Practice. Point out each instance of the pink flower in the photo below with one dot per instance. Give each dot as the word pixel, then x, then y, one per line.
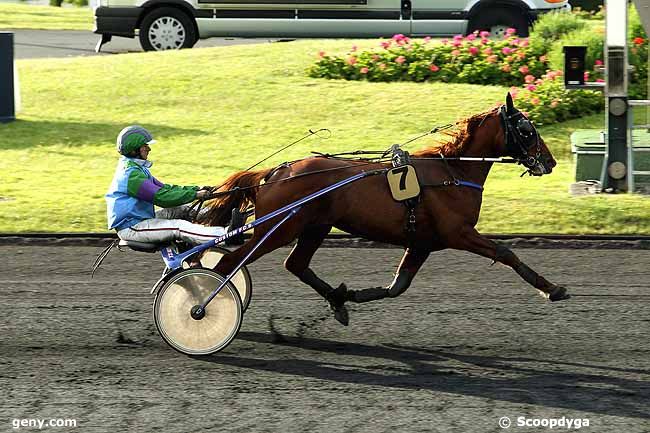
pixel 514 92
pixel 471 37
pixel 487 51
pixel 434 68
pixel 539 81
pixel 354 48
pixel 363 70
pixel 521 55
pixel 484 41
pixel 510 31
pixel 554 103
pixel 598 63
pixel 600 80
pixel 484 34
pixel 427 39
pixel 534 101
pixel 457 43
pixel 398 37
pixel 444 41
pixel 514 41
pixel 455 53
pixel 491 59
pixel 506 68
pixel 321 54
pixel 531 87
pixel 400 60
pixel 524 43
pixel 551 75
pixel 529 78
pixel 352 60
pixel 524 69
pixel 543 59
pixel 586 75
pixel 375 57
pixel 506 50
pixel 385 45
pixel 458 37
pixel 382 66
pixel 473 50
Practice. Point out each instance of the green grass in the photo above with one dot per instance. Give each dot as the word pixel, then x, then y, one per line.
pixel 18 16
pixel 218 110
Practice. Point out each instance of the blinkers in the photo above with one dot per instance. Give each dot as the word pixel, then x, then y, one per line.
pixel 519 135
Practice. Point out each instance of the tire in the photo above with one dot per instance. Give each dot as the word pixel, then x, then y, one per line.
pixel 241 280
pixel 167 28
pixel 496 21
pixel 174 302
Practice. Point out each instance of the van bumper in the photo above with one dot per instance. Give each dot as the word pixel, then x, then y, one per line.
pixel 117 21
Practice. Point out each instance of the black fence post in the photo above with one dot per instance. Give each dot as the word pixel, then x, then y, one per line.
pixel 7 101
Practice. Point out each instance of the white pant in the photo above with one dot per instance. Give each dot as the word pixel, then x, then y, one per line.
pixel 159 230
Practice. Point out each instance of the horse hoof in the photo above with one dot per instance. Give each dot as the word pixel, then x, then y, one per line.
pixel 338 296
pixel 558 294
pixel 341 315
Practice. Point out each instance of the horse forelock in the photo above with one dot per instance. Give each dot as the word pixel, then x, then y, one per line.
pixel 458 138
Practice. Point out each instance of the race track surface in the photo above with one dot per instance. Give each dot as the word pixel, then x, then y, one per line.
pixel 467 344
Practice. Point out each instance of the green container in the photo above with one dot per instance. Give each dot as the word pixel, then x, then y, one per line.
pixel 588 147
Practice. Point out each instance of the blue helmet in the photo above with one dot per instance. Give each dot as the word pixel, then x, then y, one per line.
pixel 132 138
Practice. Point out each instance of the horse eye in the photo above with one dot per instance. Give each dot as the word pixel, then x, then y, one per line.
pixel 525 127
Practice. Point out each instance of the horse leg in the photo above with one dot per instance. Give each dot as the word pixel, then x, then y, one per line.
pixel 473 241
pixel 298 264
pixel 408 267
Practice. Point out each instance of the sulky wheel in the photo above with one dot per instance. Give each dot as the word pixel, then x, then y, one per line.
pixel 241 280
pixel 211 333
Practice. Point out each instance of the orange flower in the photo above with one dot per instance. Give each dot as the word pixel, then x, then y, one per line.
pixel 638 40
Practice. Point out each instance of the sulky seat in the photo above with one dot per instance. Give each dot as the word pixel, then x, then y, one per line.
pixel 144 247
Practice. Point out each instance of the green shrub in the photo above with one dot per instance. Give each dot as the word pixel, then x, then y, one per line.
pixel 592 38
pixel 552 26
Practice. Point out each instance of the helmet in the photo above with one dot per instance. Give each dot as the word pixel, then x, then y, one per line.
pixel 132 138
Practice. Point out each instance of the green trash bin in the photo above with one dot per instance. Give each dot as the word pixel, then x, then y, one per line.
pixel 588 147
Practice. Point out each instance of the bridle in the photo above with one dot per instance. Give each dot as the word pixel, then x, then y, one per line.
pixel 520 135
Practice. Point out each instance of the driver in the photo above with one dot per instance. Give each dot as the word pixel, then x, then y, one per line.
pixel 134 192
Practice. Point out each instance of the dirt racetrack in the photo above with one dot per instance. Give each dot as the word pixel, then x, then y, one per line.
pixel 466 345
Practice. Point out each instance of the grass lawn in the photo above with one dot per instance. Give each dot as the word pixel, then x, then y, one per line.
pixel 18 16
pixel 218 110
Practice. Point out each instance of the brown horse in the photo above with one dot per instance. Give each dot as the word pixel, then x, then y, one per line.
pixel 445 216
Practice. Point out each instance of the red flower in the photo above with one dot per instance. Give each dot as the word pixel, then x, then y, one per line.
pixel 639 40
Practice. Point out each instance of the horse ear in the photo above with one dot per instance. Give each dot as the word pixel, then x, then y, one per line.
pixel 509 104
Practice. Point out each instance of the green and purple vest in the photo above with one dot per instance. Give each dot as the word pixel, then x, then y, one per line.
pixel 134 192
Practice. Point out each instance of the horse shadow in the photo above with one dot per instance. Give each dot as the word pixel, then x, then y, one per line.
pixel 542 382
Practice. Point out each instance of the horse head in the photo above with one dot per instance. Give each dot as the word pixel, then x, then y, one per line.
pixel 521 140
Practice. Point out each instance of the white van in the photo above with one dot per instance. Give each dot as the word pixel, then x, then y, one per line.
pixel 175 24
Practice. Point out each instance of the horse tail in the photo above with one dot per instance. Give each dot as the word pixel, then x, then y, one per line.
pixel 220 209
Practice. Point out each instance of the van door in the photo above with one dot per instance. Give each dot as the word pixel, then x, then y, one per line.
pixel 439 17
pixel 306 18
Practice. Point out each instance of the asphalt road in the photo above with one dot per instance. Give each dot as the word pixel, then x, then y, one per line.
pixel 29 44
pixel 469 343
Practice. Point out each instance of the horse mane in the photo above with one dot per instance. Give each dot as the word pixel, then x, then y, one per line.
pixel 458 139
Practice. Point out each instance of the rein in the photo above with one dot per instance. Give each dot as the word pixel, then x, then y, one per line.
pixel 383 158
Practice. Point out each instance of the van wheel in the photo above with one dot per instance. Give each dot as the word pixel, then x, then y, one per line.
pixel 497 21
pixel 166 29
